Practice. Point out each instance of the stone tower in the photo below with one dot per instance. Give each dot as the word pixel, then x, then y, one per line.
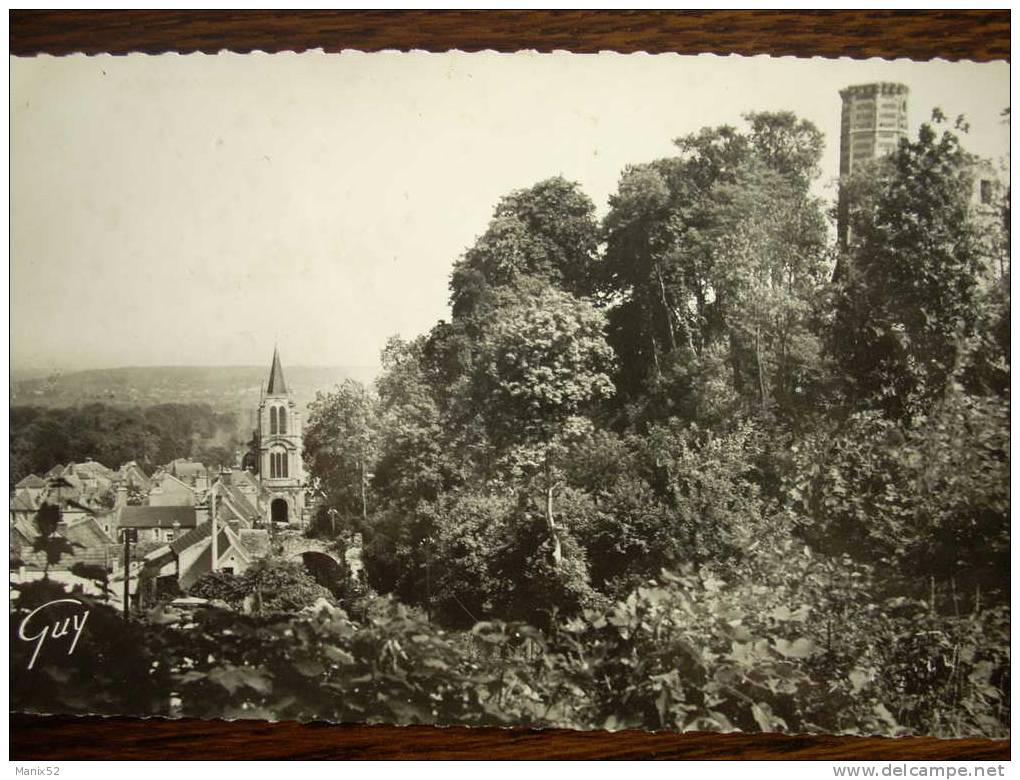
pixel 873 121
pixel 280 470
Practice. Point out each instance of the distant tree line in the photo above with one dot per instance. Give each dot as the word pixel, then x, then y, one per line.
pixel 152 435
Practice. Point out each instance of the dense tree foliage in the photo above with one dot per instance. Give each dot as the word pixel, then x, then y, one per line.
pixel 339 446
pixel 702 466
pixel 906 302
pixel 715 260
pixel 547 232
pixel 813 430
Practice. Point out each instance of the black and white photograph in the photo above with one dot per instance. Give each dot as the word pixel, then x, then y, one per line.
pixel 575 391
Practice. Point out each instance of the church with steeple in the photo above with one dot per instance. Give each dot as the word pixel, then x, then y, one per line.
pixel 275 454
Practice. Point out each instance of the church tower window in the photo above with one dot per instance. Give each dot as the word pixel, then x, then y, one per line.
pixel 272 420
pixel 278 465
pixel 282 419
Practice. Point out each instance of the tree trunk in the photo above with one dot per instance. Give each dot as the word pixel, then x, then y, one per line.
pixel 557 553
pixel 364 496
pixel 761 366
pixel 655 351
pixel 738 379
pixel 666 309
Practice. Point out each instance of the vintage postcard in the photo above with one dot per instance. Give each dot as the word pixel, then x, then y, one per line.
pixel 583 391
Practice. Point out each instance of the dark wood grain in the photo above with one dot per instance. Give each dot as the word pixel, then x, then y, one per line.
pixel 979 35
pixel 954 35
pixel 90 738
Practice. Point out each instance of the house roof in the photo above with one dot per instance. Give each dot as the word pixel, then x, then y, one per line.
pixel 163 476
pixel 25 526
pixel 226 511
pixel 226 542
pixel 88 532
pixel 254 540
pixel 277 385
pixel 31 481
pixel 68 501
pixel 184 467
pixel 156 559
pixel 235 501
pixel 23 501
pixel 66 475
pixel 157 517
pixel 195 535
pixel 60 496
pixel 93 468
pixel 18 544
pixel 90 544
pixel 244 503
pixel 239 477
pixel 133 474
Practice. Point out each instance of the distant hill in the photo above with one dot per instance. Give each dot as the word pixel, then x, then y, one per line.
pixel 225 388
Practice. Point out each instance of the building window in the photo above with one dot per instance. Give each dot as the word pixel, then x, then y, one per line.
pixel 283 420
pixel 278 465
pixel 272 419
pixel 986 192
pixel 169 536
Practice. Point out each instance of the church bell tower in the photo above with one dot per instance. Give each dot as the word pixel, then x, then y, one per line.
pixel 279 466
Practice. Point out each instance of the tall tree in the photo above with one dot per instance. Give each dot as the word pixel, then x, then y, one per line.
pixel 713 263
pixel 545 232
pixel 340 444
pixel 542 369
pixel 906 296
pixel 415 458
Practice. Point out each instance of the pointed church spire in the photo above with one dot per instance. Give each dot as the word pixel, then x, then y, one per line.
pixel 276 384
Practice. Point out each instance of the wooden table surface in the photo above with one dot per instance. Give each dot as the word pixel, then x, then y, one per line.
pixel 954 35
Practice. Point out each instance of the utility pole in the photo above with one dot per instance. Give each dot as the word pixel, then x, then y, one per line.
pixel 127 573
pixel 212 520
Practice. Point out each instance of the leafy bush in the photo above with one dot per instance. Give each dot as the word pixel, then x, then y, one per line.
pixel 931 501
pixel 220 586
pixel 490 557
pixel 808 651
pixel 710 482
pixel 269 585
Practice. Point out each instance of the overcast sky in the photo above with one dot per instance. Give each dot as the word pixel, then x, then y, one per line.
pixel 193 210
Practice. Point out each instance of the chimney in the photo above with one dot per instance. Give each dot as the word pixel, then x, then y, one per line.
pixel 122 492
